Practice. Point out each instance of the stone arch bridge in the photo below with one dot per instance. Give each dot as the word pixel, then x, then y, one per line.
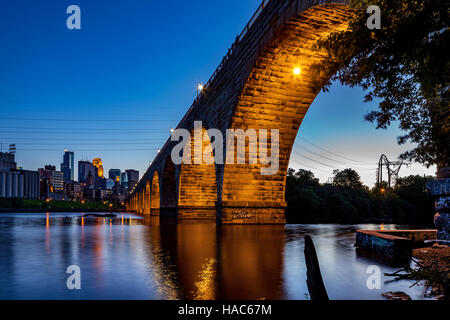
pixel 264 82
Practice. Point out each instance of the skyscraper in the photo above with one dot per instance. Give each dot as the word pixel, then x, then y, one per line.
pixel 85 169
pixel 68 166
pixel 52 182
pixel 133 178
pixel 97 162
pixel 124 180
pixel 115 174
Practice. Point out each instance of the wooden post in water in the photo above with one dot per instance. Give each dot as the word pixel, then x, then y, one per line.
pixel 314 279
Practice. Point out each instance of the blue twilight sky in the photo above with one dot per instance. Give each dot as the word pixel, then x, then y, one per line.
pixel 88 90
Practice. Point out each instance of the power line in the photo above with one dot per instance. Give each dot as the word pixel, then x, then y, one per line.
pixel 87 129
pixel 308 166
pixel 81 132
pixel 88 150
pixel 78 139
pixel 328 165
pixel 338 155
pixel 331 159
pixel 84 144
pixel 89 120
pixel 316 161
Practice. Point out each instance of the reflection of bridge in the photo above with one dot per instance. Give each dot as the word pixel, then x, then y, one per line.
pixel 255 87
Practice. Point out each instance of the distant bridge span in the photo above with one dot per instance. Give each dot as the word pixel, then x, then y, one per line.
pixel 253 88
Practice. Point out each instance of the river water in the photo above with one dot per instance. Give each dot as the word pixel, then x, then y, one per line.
pixel 129 257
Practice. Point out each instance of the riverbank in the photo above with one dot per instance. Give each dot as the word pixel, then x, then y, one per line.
pixel 30 205
pixel 436 262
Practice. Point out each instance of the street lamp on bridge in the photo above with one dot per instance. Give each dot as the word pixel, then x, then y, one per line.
pixel 200 88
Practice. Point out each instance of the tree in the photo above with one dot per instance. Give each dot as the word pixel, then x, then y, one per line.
pixel 412 189
pixel 348 178
pixel 291 172
pixel 306 177
pixel 404 65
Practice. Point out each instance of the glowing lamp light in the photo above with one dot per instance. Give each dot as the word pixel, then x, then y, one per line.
pixel 200 87
pixel 297 71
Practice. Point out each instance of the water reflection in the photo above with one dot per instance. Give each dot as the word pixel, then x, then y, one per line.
pixel 251 262
pixel 133 258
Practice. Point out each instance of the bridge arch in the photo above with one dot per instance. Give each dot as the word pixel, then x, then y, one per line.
pixel 197 195
pixel 276 96
pixel 155 195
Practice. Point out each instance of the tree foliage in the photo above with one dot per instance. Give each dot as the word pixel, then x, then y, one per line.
pixel 404 65
pixel 351 202
pixel 347 178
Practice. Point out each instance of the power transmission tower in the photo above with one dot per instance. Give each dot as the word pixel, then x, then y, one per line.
pixel 392 168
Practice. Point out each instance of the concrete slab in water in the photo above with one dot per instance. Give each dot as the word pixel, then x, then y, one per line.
pixel 392 243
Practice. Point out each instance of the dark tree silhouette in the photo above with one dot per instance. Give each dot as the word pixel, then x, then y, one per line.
pixel 348 178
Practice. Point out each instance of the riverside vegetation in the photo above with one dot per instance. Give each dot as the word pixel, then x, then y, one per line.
pixel 347 200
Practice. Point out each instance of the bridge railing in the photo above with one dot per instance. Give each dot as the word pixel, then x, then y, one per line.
pixel 238 39
pixel 227 57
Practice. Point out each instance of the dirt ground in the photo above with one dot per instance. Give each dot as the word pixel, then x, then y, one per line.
pixel 438 258
pixel 428 256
